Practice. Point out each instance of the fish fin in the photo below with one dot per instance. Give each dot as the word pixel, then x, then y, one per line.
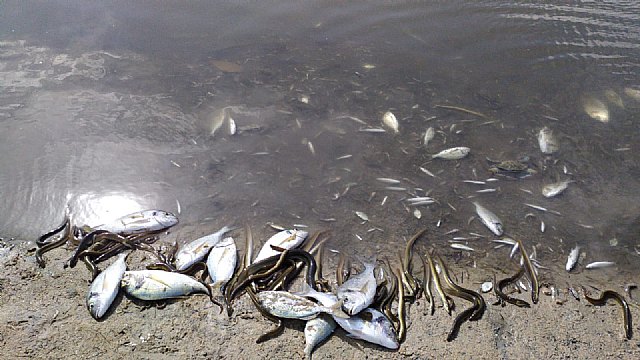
pixel 336 310
pixel 278 248
pixel 364 288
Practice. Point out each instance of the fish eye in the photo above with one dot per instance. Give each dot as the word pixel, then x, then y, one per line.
pixel 154 213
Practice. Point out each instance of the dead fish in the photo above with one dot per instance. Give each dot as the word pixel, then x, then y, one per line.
pixel 139 222
pixel 595 108
pixel 286 239
pixel 489 219
pixel 362 216
pixel 459 246
pixel 614 98
pixel 221 262
pixel 232 126
pixel 390 121
pixel 428 136
pixel 198 249
pixel 158 284
pixel 547 141
pixel 573 258
pixel 283 304
pixel 316 331
pixel 632 93
pixel 104 287
pixel 554 189
pixel 388 180
pixel 358 292
pixel 455 153
pixel 599 264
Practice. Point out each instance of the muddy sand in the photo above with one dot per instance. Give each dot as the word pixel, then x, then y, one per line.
pixel 43 315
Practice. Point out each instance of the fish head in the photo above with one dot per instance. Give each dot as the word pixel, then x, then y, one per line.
pixel 164 218
pixel 131 280
pixel 301 234
pixel 383 330
pixel 97 308
pixel 352 301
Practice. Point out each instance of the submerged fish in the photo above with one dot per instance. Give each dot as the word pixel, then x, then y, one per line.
pixel 599 264
pixel 572 259
pixel 283 304
pixel 221 262
pixel 428 136
pixel 595 108
pixel 390 121
pixel 104 287
pixel 286 239
pixel 614 98
pixel 547 141
pixel 198 249
pixel 632 93
pixel 159 284
pixel 139 222
pixel 358 292
pixel 490 219
pixel 316 331
pixel 455 153
pixel 554 189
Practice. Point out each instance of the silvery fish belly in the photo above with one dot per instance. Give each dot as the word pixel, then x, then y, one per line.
pixel 316 330
pixel 139 222
pixel 104 287
pixel 554 189
pixel 283 304
pixel 547 141
pixel 222 260
pixel 455 153
pixel 158 284
pixel 358 292
pixel 196 250
pixel 490 219
pixel 286 239
pixel 373 326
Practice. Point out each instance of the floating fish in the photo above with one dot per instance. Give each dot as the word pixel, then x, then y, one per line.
pixel 572 260
pixel 286 239
pixel 390 121
pixel 316 331
pixel 428 136
pixel 547 141
pixel 614 98
pixel 489 219
pixel 221 262
pixel 158 284
pixel 358 292
pixel 554 189
pixel 455 153
pixel 283 304
pixel 595 108
pixel 198 249
pixel 599 264
pixel 632 93
pixel 139 222
pixel 104 287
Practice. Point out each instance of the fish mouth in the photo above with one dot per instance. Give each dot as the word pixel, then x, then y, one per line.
pixel 166 218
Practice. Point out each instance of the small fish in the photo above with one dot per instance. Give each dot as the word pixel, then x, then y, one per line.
pixel 362 216
pixel 372 130
pixel 489 219
pixel 316 331
pixel 547 141
pixel 614 98
pixel 198 249
pixel 474 182
pixel 455 153
pixel 417 214
pixel 551 190
pixel 286 239
pixel 358 292
pixel 139 222
pixel 459 246
pixel 490 190
pixel 232 126
pixel 573 258
pixel 388 180
pixel 158 284
pixel 283 304
pixel 311 148
pixel 632 93
pixel 595 108
pixel 599 264
pixel 427 171
pixel 104 287
pixel 428 136
pixel 395 188
pixel 419 199
pixel 221 262
pixel 390 121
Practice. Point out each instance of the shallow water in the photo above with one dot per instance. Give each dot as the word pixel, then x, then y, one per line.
pixel 108 109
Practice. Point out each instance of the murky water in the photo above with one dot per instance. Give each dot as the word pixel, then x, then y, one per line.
pixel 108 109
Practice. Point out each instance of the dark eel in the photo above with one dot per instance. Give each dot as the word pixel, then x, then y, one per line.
pixel 504 282
pixel 626 312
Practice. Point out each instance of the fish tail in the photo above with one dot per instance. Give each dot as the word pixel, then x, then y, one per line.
pixel 336 310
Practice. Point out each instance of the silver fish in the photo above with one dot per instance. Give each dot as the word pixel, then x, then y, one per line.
pixel 489 219
pixel 614 98
pixel 139 222
pixel 455 153
pixel 104 287
pixel 632 93
pixel 316 331
pixel 198 249
pixel 547 141
pixel 573 258
pixel 595 108
pixel 159 284
pixel 283 304
pixel 370 325
pixel 459 246
pixel 358 292
pixel 599 264
pixel 390 121
pixel 551 190
pixel 221 262
pixel 286 239
pixel 428 136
